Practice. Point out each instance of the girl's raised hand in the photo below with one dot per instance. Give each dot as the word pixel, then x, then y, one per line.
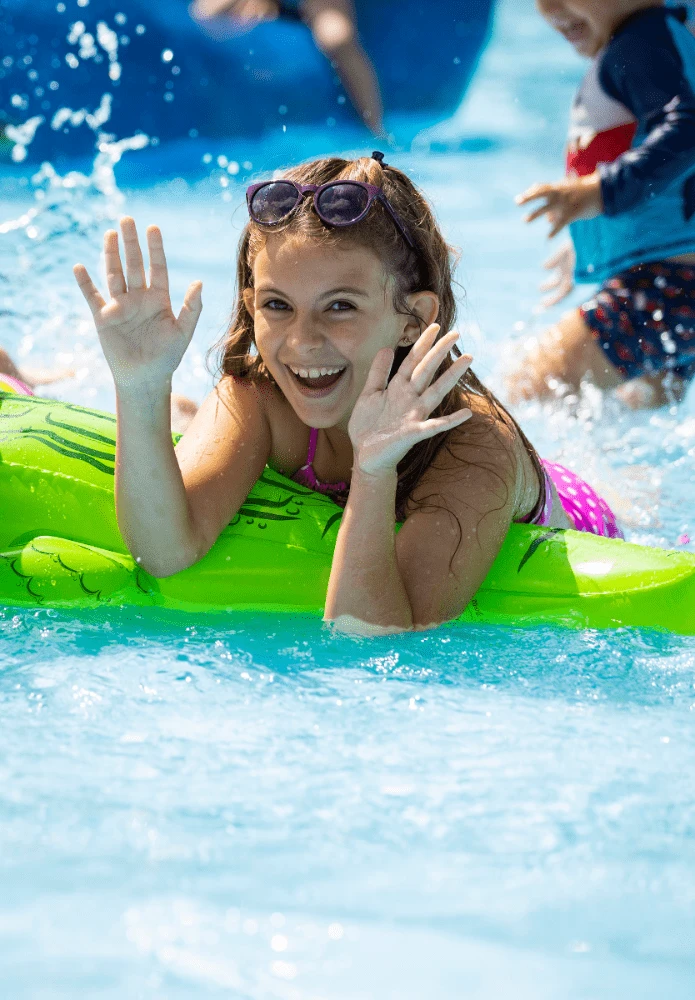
pixel 390 417
pixel 143 341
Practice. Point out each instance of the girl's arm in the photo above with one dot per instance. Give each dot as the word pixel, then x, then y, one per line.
pixel 463 505
pixel 169 512
pixel 430 570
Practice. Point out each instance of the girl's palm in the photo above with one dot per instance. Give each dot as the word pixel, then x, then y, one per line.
pixel 390 417
pixel 143 341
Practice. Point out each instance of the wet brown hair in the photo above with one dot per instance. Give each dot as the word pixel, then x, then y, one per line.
pixel 427 268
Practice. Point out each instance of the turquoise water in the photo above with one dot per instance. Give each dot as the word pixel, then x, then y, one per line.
pixel 256 808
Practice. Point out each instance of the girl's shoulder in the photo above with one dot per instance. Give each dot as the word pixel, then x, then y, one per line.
pixel 288 435
pixel 483 462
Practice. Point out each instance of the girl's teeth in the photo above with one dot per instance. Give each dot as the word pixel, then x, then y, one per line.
pixel 315 372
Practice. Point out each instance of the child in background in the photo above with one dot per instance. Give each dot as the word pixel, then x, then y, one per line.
pixel 333 25
pixel 629 199
pixel 340 369
pixel 23 381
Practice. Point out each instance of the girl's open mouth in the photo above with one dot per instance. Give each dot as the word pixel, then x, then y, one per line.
pixel 316 381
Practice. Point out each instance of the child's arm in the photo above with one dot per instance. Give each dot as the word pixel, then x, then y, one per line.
pixel 644 70
pixel 168 519
pixel 428 573
pixel 334 27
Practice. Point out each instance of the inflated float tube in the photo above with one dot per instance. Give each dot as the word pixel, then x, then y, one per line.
pixel 60 545
pixel 166 75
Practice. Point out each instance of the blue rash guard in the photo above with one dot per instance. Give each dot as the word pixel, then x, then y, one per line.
pixel 633 120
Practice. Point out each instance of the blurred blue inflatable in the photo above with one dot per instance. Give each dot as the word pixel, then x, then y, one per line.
pixel 168 77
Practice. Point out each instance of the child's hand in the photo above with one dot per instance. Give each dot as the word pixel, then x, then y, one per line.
pixel 562 282
pixel 566 201
pixel 142 340
pixel 245 11
pixel 390 417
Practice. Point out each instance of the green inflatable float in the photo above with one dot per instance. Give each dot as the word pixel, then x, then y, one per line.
pixel 60 545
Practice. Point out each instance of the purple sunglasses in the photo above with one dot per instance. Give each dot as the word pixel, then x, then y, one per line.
pixel 337 203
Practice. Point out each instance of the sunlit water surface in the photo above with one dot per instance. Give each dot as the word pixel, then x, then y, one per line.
pixel 251 807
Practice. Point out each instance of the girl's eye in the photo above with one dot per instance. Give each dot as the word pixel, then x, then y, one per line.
pixel 340 306
pixel 275 305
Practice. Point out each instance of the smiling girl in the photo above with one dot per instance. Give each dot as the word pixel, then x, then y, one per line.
pixel 339 369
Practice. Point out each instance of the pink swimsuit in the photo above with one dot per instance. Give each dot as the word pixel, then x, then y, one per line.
pixel 307 477
pixel 10 384
pixel 584 507
pixel 586 510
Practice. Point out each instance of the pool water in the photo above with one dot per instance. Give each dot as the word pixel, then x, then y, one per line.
pixel 252 807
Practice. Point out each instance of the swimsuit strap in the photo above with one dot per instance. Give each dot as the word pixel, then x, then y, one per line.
pixel 307 477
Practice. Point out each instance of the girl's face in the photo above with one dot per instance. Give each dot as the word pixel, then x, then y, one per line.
pixel 588 24
pixel 321 314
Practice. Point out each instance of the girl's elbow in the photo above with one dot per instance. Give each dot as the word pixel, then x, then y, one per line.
pixel 162 566
pixel 352 626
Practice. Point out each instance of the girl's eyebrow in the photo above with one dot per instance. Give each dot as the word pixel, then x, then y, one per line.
pixel 345 290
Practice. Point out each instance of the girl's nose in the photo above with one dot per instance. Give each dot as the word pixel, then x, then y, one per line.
pixel 305 334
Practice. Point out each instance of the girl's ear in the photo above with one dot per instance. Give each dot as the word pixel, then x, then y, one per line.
pixel 250 301
pixel 425 307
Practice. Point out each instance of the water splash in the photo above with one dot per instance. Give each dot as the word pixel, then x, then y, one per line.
pixel 62 224
pixel 22 136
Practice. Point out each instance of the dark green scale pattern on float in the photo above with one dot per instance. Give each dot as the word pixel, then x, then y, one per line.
pixel 60 545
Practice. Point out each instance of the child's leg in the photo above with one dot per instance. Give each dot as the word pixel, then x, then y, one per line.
pixel 183 410
pixel 33 376
pixel 562 357
pixel 638 332
pixel 653 391
pixel 8 367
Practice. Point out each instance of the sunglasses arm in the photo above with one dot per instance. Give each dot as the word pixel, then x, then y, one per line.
pixel 397 219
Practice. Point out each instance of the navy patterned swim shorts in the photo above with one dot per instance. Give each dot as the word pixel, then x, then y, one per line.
pixel 644 319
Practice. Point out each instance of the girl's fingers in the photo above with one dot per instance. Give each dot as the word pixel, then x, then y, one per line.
pixel 445 383
pixel 428 428
pixel 425 371
pixel 134 266
pixel 378 377
pixel 159 274
pixel 418 351
pixel 90 291
pixel 191 308
pixel 115 281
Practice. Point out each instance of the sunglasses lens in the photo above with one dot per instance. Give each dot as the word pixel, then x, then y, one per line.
pixel 273 202
pixel 342 204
